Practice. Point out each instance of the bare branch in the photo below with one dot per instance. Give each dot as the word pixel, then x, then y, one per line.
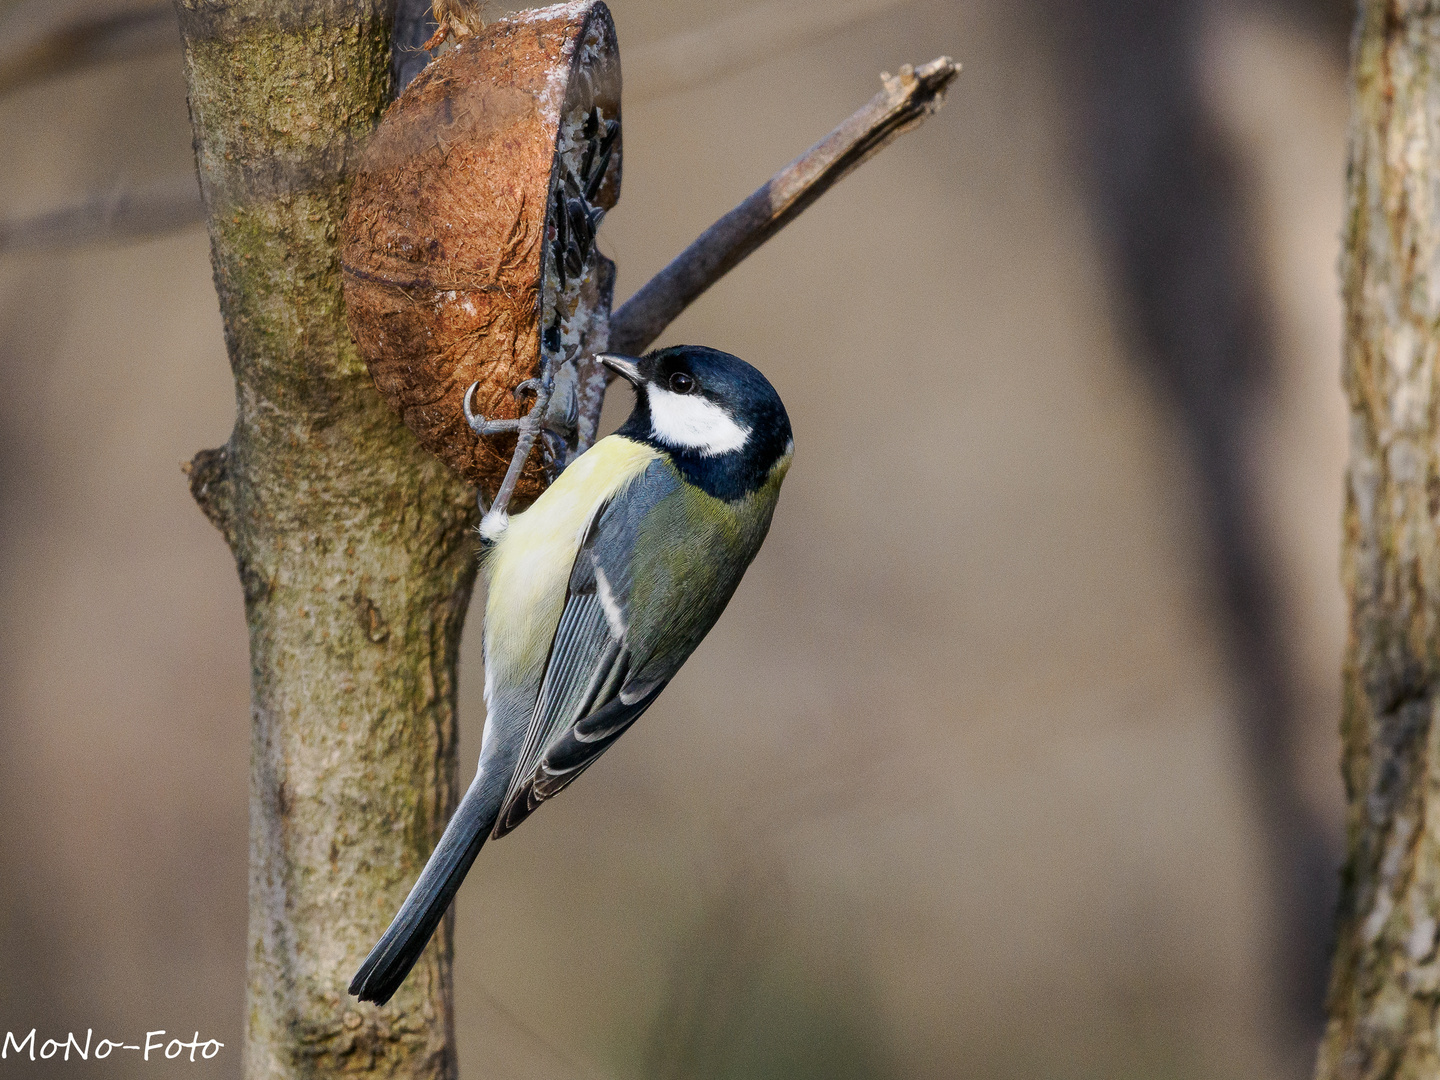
pixel 41 39
pixel 123 213
pixel 172 202
pixel 37 41
pixel 905 101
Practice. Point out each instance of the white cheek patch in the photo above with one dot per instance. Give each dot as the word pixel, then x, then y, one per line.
pixel 692 422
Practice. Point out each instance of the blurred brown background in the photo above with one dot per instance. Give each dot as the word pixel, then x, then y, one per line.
pixel 1015 754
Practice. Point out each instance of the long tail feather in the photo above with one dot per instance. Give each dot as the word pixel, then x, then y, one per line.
pixel 401 945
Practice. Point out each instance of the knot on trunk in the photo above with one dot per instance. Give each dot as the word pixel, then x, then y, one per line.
pixel 212 490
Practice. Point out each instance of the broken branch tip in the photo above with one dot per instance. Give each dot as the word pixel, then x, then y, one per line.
pixel 921 85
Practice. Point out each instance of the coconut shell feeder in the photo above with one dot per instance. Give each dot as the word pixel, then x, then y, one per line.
pixel 473 286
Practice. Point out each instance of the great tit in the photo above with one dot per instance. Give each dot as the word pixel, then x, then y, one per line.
pixel 597 594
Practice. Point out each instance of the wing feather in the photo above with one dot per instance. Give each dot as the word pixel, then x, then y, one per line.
pixel 589 663
pixel 578 746
pixel 572 655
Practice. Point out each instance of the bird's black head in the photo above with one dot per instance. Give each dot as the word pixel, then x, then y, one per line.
pixel 718 419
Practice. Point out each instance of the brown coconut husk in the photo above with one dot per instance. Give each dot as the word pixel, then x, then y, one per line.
pixel 451 230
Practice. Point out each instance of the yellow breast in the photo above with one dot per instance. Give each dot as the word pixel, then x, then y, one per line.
pixel 528 570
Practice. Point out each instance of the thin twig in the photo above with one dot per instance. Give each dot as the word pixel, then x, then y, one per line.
pixel 123 213
pixel 38 42
pixel 173 202
pixel 905 101
pixel 40 39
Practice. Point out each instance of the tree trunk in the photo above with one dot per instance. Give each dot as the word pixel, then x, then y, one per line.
pixel 352 544
pixel 1385 990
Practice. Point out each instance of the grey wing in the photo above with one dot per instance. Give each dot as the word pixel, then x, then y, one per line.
pixel 587 699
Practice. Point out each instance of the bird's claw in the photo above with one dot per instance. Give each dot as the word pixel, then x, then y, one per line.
pixel 474 419
pixel 527 428
pixel 481 426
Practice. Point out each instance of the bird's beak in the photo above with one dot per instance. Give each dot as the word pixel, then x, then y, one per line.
pixel 622 366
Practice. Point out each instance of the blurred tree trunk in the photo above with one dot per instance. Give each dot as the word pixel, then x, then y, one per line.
pixel 1166 194
pixel 351 542
pixel 1385 990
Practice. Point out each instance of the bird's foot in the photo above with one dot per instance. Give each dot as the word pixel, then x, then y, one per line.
pixel 527 429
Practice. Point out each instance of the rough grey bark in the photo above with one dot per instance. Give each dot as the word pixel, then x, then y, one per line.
pixel 352 546
pixel 1385 992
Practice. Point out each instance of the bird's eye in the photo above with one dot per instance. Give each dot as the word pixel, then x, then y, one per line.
pixel 681 383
